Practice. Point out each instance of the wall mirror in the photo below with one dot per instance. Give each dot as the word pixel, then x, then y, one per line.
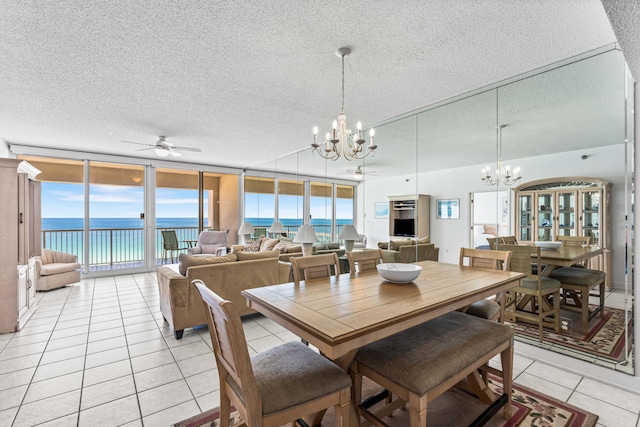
pixel 572 119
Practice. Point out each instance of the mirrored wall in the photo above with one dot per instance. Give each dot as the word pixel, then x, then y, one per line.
pixel 568 121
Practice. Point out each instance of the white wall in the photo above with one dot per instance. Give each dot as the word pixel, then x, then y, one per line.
pixel 4 150
pixel 604 163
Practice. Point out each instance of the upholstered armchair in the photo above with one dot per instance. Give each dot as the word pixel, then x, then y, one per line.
pixel 210 242
pixel 56 269
pixel 361 243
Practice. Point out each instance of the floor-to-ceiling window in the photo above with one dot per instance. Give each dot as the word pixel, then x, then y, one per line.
pixel 259 203
pixel 321 209
pixel 290 204
pixel 344 206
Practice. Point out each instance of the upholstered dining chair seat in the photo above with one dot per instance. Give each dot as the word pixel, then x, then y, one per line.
pixel 546 283
pixel 426 355
pixel 292 374
pixel 486 309
pixel 578 276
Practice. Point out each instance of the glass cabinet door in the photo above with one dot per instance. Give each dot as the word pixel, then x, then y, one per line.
pixel 566 213
pixel 591 215
pixel 545 216
pixel 525 217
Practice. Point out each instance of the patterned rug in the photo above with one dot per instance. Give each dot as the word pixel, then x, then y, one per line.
pixel 605 338
pixel 457 408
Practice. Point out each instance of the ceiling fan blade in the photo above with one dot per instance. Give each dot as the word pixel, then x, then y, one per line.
pixel 195 150
pixel 145 149
pixel 138 143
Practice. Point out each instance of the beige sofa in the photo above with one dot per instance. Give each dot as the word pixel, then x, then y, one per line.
pixel 180 302
pixel 407 251
pixel 56 269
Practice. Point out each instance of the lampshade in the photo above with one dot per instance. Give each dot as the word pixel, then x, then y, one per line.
pixel 305 234
pixel 245 228
pixel 348 232
pixel 276 228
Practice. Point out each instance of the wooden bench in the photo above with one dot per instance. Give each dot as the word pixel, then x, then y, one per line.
pixel 419 364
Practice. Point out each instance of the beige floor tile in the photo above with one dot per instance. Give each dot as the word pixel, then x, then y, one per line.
pixel 115 413
pixel 152 360
pixel 48 409
pixel 135 312
pixel 106 344
pixel 106 372
pixel 16 378
pixel 56 369
pixel 7 416
pixel 106 357
pixel 189 337
pixel 67 342
pixel 28 339
pixel 610 415
pixel 66 324
pixel 544 386
pixel 69 420
pixel 262 344
pixel 134 423
pixel 209 400
pixel 143 336
pixel 107 391
pixel 106 317
pixel 158 376
pixel 142 318
pixel 191 350
pixel 105 334
pixel 553 374
pixel 21 351
pixel 12 397
pixel 197 364
pixel 105 311
pixel 68 332
pixel 172 415
pixel 139 327
pixel 615 396
pixel 63 354
pixel 25 362
pixel 53 386
pixel 96 327
pixel 147 347
pixel 163 397
pixel 204 382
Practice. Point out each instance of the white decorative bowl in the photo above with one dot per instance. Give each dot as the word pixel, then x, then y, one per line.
pixel 547 245
pixel 399 273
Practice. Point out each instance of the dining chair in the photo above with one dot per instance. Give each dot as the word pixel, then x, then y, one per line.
pixel 495 260
pixel 492 242
pixel 508 240
pixel 274 387
pixel 311 267
pixel 419 364
pixel 364 260
pixel 580 241
pixel 170 244
pixel 534 290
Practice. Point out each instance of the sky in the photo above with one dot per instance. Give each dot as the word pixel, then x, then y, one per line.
pixel 64 200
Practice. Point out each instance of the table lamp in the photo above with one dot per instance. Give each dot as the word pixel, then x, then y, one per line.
pixel 349 234
pixel 276 229
pixel 307 237
pixel 245 230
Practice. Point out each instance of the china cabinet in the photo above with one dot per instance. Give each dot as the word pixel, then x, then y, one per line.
pixel 20 240
pixel 572 206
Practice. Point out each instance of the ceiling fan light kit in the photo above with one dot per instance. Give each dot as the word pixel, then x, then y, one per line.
pixel 342 141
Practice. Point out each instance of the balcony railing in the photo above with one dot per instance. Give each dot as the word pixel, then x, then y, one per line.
pixel 115 248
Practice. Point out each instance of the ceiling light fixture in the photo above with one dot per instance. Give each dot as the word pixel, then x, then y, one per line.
pixel 342 141
pixel 503 173
pixel 161 151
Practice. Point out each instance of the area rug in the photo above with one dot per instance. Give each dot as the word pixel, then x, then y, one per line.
pixel 456 408
pixel 605 337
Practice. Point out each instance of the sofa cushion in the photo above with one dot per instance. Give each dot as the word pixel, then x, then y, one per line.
pixel 394 245
pixel 58 267
pixel 422 241
pixel 253 245
pixel 268 244
pixel 246 256
pixel 187 261
pixel 287 247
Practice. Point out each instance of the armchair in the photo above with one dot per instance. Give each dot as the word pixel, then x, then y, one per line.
pixel 361 242
pixel 210 242
pixel 56 269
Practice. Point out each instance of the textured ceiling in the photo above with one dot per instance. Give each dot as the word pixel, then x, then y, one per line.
pixel 247 81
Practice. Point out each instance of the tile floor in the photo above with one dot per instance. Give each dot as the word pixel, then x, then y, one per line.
pixel 99 353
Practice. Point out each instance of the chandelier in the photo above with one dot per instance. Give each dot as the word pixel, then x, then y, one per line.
pixel 503 173
pixel 342 141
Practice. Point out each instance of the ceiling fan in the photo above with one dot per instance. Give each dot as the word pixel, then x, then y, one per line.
pixel 163 147
pixel 358 173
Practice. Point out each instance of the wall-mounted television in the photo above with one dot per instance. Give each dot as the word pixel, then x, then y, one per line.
pixel 404 227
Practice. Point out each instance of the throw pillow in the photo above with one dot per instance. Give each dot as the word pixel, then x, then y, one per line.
pixel 333 245
pixel 253 245
pixel 423 240
pixel 394 245
pixel 246 256
pixel 268 244
pixel 383 245
pixel 291 249
pixel 187 261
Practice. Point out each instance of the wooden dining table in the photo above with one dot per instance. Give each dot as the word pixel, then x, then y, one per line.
pixel 566 256
pixel 340 314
